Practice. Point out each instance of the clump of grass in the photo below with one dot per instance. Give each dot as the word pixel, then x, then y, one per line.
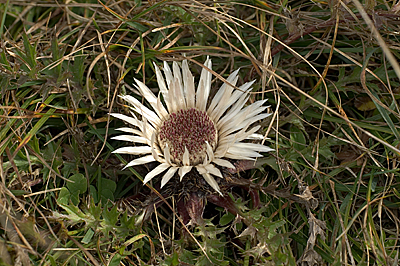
pixel 328 195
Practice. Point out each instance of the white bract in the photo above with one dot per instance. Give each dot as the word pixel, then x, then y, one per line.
pixel 182 133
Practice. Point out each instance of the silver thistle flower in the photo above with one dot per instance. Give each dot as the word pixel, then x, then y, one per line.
pixel 183 133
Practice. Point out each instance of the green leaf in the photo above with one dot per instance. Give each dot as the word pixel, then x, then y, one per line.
pixel 226 218
pixel 105 195
pixel 78 68
pixel 75 197
pixel 88 236
pixel 79 183
pixel 53 155
pixel 152 7
pixel 385 114
pixel 298 138
pixel 76 187
pixel 108 184
pixel 106 188
pixel 4 61
pixel 57 54
pixel 63 196
pixel 3 19
pixel 137 26
pixel 75 215
pixel 175 259
pixel 134 239
pixel 93 193
pixel 95 210
pixel 111 216
pixel 30 55
pixel 116 259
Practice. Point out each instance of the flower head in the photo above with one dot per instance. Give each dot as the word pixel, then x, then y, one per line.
pixel 182 133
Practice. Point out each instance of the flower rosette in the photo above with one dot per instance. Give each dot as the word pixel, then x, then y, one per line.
pixel 183 132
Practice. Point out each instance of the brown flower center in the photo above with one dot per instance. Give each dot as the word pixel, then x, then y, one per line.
pixel 187 128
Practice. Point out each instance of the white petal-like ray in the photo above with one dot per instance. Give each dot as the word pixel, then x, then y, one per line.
pixel 183 170
pixel 135 150
pixel 168 74
pixel 234 127
pixel 167 155
pixel 179 98
pixel 210 153
pixel 226 140
pixel 168 175
pixel 179 94
pixel 132 138
pixel 171 88
pixel 141 160
pixel 256 137
pixel 188 83
pixel 223 94
pixel 200 168
pixel 130 130
pixel 254 109
pixel 236 151
pixel 229 139
pixel 186 157
pixel 162 86
pixel 248 152
pixel 240 97
pixel 211 181
pixel 213 170
pixel 251 157
pixel 243 89
pixel 224 163
pixel 250 146
pixel 243 120
pixel 158 170
pixel 203 90
pixel 223 146
pixel 154 150
pixel 143 110
pixel 131 120
pixel 233 111
pixel 177 75
pixel 221 109
pixel 152 99
pixel 243 134
pixel 146 128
